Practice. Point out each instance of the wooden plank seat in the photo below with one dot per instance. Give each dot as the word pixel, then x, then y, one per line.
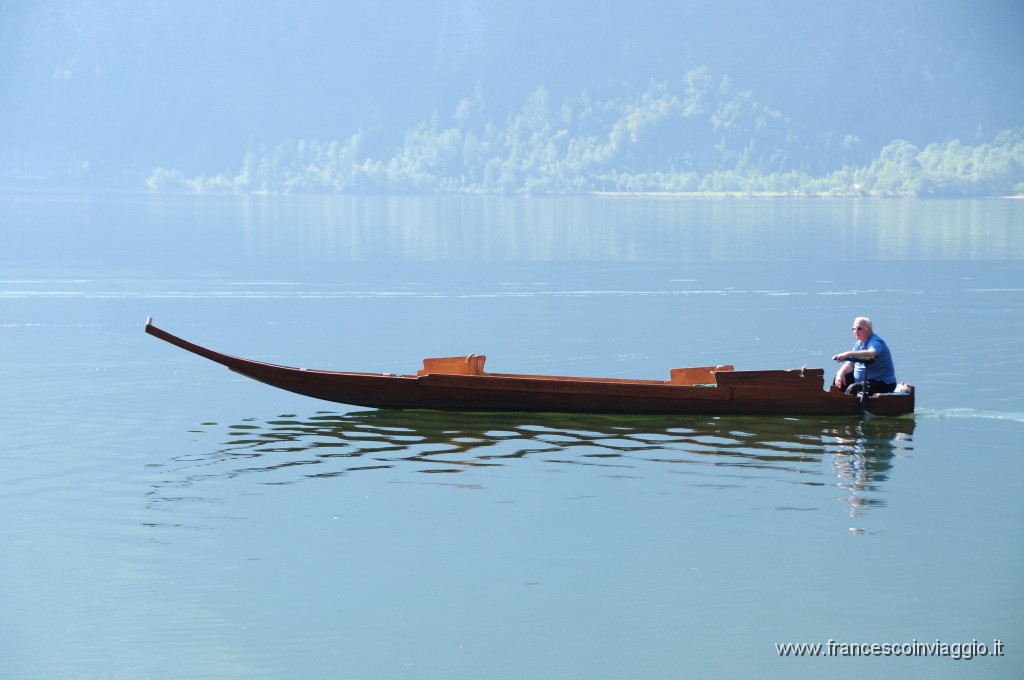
pixel 467 365
pixel 699 375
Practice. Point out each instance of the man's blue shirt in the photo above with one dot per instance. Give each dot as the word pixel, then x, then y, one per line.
pixel 881 368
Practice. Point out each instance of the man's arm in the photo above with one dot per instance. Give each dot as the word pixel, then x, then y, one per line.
pixel 844 370
pixel 869 353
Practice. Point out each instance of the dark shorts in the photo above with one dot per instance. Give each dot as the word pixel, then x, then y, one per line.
pixel 874 387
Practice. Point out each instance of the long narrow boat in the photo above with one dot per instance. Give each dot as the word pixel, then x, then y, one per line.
pixel 461 384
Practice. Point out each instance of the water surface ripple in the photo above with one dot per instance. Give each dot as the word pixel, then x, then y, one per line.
pixel 414 445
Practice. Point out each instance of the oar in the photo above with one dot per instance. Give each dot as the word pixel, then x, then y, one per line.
pixel 864 387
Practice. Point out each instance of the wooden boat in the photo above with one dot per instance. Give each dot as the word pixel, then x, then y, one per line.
pixel 461 384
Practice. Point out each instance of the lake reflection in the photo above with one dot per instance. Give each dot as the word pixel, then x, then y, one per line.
pixel 191 231
pixel 422 446
pixel 624 228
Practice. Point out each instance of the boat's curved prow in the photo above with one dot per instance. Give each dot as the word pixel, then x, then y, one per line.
pixel 223 359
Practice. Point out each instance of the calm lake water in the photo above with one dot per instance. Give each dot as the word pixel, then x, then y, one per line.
pixel 165 518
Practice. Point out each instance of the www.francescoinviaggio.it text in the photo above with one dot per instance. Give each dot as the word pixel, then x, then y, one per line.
pixel 959 651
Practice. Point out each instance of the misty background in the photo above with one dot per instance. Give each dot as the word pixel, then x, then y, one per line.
pixel 456 95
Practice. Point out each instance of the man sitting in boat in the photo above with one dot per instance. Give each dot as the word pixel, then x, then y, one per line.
pixel 868 363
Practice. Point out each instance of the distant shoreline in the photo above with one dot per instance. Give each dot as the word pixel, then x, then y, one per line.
pixel 778 194
pixel 35 186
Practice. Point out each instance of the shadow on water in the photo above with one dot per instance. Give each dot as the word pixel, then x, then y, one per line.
pixel 713 452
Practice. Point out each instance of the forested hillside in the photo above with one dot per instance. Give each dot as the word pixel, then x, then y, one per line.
pixel 708 138
pixel 533 96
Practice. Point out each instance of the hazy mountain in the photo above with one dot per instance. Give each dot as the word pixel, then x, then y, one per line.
pixel 109 89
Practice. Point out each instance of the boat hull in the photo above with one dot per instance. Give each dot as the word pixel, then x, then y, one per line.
pixel 785 392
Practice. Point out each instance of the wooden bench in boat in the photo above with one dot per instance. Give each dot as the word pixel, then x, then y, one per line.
pixel 473 364
pixel 467 365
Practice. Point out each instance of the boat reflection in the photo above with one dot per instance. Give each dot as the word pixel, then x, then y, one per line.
pixel 713 451
pixel 863 457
